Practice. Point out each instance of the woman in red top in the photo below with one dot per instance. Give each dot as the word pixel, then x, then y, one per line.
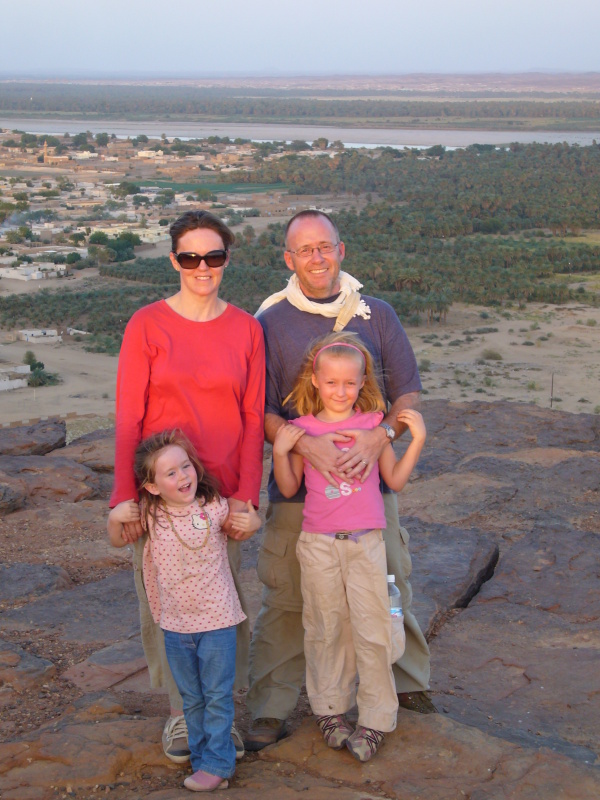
pixel 194 362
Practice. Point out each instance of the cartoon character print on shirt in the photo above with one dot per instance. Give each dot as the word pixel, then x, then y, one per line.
pixel 200 522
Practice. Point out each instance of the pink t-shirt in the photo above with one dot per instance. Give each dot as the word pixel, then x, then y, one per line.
pixel 352 506
pixel 190 586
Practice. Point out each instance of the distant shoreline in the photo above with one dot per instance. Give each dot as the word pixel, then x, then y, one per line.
pixel 350 136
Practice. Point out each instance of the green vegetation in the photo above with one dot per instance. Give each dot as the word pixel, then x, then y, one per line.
pixel 486 226
pixel 251 104
pixel 38 375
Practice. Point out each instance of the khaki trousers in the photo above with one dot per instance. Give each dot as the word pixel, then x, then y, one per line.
pixel 152 635
pixel 347 628
pixel 277 663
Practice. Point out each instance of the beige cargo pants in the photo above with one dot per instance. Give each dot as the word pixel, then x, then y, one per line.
pixel 277 664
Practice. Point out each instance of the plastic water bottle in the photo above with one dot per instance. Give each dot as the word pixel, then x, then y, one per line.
pixel 395 600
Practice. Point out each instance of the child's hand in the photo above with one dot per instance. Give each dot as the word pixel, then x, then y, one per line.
pixel 286 438
pixel 127 511
pixel 414 422
pixel 244 523
pixel 124 526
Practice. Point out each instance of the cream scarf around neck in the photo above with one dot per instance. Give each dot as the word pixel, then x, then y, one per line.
pixel 293 294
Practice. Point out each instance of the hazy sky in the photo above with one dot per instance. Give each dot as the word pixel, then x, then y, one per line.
pixel 274 37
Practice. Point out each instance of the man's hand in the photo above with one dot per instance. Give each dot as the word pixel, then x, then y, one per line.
pixel 323 455
pixel 360 459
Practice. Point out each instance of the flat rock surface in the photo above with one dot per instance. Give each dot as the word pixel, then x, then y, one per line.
pixel 433 757
pixel 101 612
pixel 521 673
pixel 449 567
pixel 21 581
pixel 33 440
pixel 426 757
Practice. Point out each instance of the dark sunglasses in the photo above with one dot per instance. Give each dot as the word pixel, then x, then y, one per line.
pixel 214 259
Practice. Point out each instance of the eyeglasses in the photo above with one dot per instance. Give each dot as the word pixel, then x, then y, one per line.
pixel 324 249
pixel 214 259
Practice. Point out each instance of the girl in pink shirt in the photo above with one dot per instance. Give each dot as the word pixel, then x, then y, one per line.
pixel 346 615
pixel 191 591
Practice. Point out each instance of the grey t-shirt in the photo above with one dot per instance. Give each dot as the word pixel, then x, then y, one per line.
pixel 288 334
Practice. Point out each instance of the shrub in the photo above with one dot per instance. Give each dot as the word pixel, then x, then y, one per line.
pixel 39 377
pixel 491 355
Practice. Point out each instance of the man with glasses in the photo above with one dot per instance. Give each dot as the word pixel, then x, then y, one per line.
pixel 320 298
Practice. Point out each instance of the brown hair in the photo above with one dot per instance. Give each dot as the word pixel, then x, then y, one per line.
pixel 192 220
pixel 305 397
pixel 144 467
pixel 310 214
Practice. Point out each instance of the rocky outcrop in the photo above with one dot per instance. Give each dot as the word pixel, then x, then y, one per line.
pixel 33 440
pixel 40 480
pixel 504 518
pixel 94 450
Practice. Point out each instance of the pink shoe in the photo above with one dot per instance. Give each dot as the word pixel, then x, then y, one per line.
pixel 205 782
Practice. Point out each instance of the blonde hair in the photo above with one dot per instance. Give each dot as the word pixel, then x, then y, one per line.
pixel 144 466
pixel 305 397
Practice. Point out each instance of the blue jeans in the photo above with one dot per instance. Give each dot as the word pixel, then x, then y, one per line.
pixel 203 666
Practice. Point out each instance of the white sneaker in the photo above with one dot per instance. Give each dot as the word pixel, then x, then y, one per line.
pixel 175 741
pixel 237 743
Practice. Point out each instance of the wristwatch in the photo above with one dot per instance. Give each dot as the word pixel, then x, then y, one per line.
pixel 389 431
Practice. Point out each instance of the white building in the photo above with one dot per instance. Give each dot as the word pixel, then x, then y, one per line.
pixel 14 377
pixel 39 336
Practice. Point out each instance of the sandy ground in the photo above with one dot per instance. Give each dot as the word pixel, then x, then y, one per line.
pixel 534 345
pixel 88 385
pixel 532 354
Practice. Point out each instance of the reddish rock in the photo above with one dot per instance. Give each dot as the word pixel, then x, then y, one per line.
pixel 33 440
pixel 435 758
pixel 110 666
pixel 89 746
pixel 20 670
pixel 43 480
pixel 94 450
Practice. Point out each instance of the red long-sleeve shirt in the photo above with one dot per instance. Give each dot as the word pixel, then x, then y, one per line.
pixel 207 378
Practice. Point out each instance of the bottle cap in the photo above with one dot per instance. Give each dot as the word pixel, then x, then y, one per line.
pixel 391 578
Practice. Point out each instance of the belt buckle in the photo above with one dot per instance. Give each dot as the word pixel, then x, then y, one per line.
pixel 342 536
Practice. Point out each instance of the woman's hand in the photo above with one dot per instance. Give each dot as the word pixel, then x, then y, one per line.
pixel 243 523
pixel 286 438
pixel 124 525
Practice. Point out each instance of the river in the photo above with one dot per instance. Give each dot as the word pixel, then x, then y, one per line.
pixel 351 137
